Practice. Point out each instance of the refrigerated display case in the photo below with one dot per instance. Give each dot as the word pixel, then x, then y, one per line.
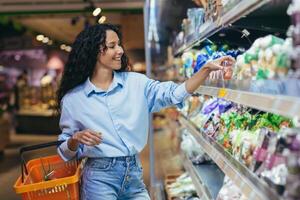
pixel 270 88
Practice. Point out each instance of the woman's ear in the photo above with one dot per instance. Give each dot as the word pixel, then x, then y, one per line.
pixel 101 50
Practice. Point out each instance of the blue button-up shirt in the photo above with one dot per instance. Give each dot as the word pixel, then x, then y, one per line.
pixel 121 113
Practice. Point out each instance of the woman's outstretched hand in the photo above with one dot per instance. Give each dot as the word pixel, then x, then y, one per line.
pixel 215 65
pixel 220 63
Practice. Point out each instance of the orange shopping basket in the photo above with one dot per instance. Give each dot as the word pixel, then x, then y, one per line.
pixel 48 177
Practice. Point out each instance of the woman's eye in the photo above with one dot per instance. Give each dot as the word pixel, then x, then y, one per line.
pixel 113 46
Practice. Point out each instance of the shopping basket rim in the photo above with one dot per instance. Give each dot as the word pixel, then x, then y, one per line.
pixel 20 188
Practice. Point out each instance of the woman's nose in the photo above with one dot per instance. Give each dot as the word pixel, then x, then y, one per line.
pixel 120 51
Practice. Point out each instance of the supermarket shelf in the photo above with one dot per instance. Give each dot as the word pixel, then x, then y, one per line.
pixel 250 185
pixel 208 175
pixel 212 177
pixel 239 10
pixel 200 188
pixel 278 104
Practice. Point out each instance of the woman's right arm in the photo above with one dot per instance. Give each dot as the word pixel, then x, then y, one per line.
pixel 73 136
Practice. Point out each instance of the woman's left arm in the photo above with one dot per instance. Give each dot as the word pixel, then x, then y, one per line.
pixel 163 94
pixel 198 79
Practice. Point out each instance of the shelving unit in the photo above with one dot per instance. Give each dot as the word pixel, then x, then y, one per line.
pixel 250 185
pixel 207 178
pixel 275 96
pixel 239 10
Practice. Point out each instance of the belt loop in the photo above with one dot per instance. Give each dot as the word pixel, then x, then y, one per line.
pixel 113 161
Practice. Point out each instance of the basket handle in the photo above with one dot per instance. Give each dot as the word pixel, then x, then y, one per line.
pixel 31 148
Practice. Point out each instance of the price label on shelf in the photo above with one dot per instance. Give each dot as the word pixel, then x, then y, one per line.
pixel 222 92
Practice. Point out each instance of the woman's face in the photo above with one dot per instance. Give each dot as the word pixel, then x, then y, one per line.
pixel 111 57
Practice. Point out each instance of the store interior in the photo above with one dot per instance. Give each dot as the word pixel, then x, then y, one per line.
pixel 236 138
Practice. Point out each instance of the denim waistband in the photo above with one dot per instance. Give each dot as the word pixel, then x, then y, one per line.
pixel 119 158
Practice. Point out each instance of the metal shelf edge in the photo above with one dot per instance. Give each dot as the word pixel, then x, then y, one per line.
pixel 188 166
pixel 282 105
pixel 251 186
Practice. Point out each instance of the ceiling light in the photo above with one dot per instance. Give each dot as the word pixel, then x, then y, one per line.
pixel 96 12
pixel 68 48
pixel 39 37
pixel 222 34
pixel 102 20
pixel 63 47
pixel 45 40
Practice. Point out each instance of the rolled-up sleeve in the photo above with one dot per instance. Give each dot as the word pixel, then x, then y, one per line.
pixel 164 94
pixel 68 127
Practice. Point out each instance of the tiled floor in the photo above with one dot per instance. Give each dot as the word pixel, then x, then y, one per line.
pixel 166 161
pixel 10 162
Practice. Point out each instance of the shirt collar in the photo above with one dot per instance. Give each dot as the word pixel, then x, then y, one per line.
pixel 118 78
pixel 90 88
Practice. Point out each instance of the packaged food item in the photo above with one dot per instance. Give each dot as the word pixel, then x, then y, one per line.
pixel 201 60
pixel 293 164
pixel 276 177
pixel 228 70
pixel 229 191
pixel 190 146
pixel 268 58
pixel 182 187
pixel 294 31
pixel 260 152
pixel 294 12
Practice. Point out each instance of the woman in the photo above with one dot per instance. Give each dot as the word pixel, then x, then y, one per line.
pixel 104 113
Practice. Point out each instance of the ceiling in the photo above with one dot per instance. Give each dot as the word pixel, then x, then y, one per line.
pixel 40 6
pixel 59 26
pixel 54 18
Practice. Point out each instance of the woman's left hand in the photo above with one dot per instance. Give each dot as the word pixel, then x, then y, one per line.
pixel 220 63
pixel 198 78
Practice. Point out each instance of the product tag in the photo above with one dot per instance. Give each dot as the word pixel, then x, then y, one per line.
pixel 222 92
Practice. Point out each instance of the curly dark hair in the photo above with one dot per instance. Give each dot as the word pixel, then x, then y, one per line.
pixel 83 57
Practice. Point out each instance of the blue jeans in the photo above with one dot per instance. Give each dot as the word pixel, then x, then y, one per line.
pixel 115 178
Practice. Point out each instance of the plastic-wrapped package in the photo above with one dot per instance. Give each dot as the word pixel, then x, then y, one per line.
pixel 243 145
pixel 229 191
pixel 188 61
pixel 260 152
pixel 192 148
pixel 293 164
pixel 276 177
pixel 201 60
pixel 196 18
pixel 182 187
pixel 268 58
